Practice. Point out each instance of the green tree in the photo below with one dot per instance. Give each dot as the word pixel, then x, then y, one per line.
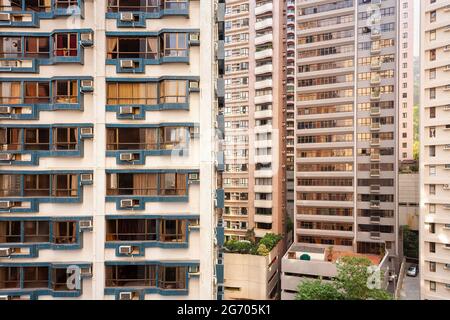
pixel 350 283
pixel 317 290
pixel 410 242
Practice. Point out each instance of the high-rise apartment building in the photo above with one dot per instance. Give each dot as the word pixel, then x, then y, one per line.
pixel 108 172
pixel 346 160
pixel 289 132
pixel 254 146
pixel 406 80
pixel 434 226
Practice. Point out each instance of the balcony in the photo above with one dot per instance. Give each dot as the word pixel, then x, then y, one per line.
pixel 148 277
pixel 265 8
pixel 146 232
pixel 27 53
pixel 263 203
pixel 26 145
pixel 22 13
pixel 135 13
pixel 375 111
pixel 376 79
pixel 374 172
pixel 266 68
pixel 266 158
pixel 375 126
pixel 263 218
pixel 266 53
pixel 375 95
pixel 46 279
pixel 25 237
pixel 266 38
pixel 375 64
pixel 131 144
pixel 263 24
pixel 130 190
pixel 375 204
pixel 25 99
pixel 35 187
pixel 263 188
pixel 263 99
pixel 154 94
pixel 268 83
pixel 263 114
pixel 132 53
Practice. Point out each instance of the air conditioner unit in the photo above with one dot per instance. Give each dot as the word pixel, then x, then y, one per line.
pixel 5 109
pixel 126 63
pixel 5 252
pixel 86 37
pixel 126 203
pixel 126 16
pixel 86 272
pixel 193 176
pixel 6 156
pixel 194 37
pixel 194 269
pixel 126 157
pixel 5 204
pixel 193 85
pixel 125 249
pixel 85 224
pixel 5 17
pixel 126 296
pixel 87 85
pixel 86 177
pixel 194 131
pixel 88 131
pixel 126 110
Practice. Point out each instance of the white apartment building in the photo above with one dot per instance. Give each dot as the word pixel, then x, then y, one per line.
pixel 434 226
pixel 108 118
pixel 254 128
pixel 347 102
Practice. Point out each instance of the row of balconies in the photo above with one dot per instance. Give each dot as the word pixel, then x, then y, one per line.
pixel 124 281
pixel 132 14
pixel 23 191
pixel 25 98
pixel 26 53
pixel 130 144
pixel 27 237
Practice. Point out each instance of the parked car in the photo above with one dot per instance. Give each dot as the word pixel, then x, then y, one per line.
pixel 413 270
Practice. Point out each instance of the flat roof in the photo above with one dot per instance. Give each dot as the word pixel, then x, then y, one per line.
pixel 337 254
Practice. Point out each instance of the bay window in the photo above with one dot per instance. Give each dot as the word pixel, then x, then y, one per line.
pixel 36 231
pixel 65 45
pixel 175 45
pixel 173 91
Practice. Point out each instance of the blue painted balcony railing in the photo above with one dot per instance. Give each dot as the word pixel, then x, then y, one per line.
pixel 23 191
pixel 26 51
pixel 18 104
pixel 18 151
pixel 135 16
pixel 62 233
pixel 138 240
pixel 132 189
pixel 154 98
pixel 52 279
pixel 130 52
pixel 131 144
pixel 159 281
pixel 23 14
